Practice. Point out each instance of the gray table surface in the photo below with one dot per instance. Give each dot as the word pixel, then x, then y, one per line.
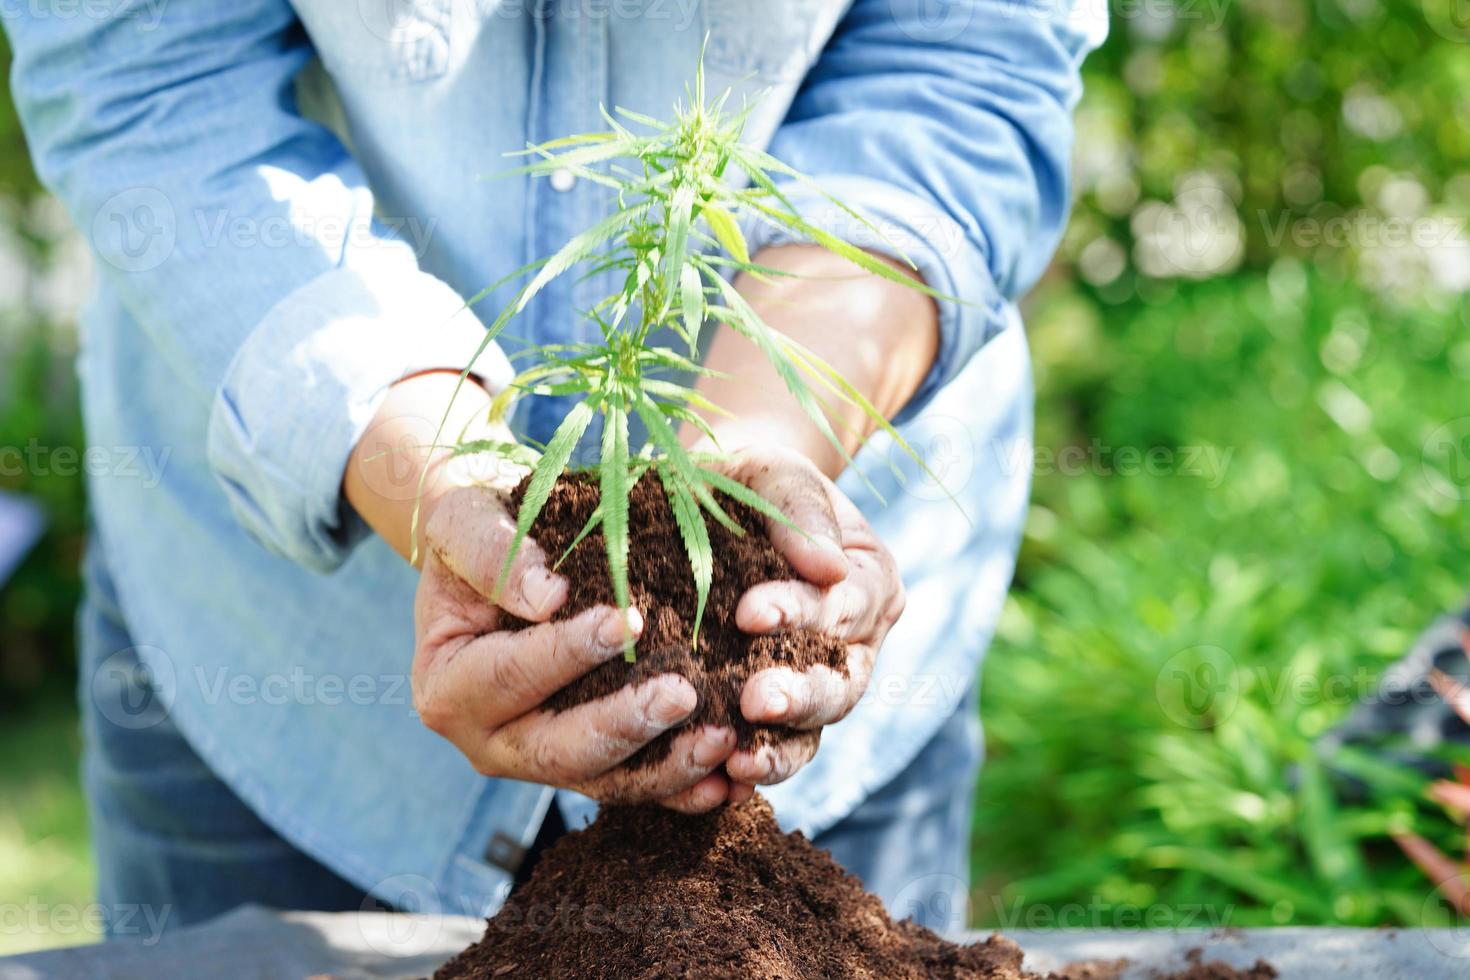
pixel 256 942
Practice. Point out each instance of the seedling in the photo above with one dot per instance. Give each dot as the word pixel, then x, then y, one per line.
pixel 676 238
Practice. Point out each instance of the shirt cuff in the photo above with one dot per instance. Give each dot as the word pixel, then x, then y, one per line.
pixel 302 390
pixel 907 226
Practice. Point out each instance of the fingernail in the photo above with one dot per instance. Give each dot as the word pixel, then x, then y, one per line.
pixel 540 588
pixel 778 702
pixel 672 702
pixel 710 749
pixel 829 544
pixel 611 633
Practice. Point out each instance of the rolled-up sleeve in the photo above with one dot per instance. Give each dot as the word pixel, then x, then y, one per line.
pixel 951 129
pixel 241 238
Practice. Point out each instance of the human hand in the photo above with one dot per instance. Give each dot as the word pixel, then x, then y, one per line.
pixel 1452 880
pixel 481 686
pixel 850 589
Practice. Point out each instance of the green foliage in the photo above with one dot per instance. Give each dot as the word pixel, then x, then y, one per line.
pixel 676 210
pixel 1278 582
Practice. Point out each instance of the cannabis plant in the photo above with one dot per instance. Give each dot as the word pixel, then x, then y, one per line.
pixel 676 239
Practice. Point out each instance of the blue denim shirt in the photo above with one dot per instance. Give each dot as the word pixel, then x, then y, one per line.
pixel 283 204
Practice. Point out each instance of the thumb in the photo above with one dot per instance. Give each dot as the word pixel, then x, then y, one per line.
pixel 471 533
pixel 804 495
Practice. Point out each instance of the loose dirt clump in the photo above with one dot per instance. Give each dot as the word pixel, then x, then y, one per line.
pixel 661 588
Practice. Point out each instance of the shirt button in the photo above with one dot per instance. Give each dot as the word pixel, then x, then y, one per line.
pixel 562 180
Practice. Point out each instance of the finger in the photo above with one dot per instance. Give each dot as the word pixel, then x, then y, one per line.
pixel 800 492
pixel 571 747
pixel 1438 868
pixel 767 765
pixel 446 611
pixel 694 756
pixel 811 698
pixel 842 610
pixel 472 532
pixel 702 797
pixel 739 792
pixel 502 675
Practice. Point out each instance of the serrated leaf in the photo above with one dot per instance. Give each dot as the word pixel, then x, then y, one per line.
pixel 676 235
pixel 661 434
pixel 544 476
pixel 727 232
pixel 593 519
pixel 739 491
pixel 615 489
pixel 696 541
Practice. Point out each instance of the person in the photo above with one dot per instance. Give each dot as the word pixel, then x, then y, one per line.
pixel 283 205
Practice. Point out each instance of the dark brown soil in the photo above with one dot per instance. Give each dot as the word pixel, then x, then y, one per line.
pixel 648 894
pixel 1198 969
pixel 662 589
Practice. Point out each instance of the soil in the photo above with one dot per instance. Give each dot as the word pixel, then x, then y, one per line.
pixel 648 894
pixel 661 587
pixel 1198 969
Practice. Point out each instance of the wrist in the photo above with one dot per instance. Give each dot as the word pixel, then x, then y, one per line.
pixel 397 474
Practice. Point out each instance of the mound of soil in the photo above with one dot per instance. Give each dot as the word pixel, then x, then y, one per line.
pixel 661 587
pixel 648 894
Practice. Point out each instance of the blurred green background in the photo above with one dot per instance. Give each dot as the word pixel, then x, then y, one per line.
pixel 1268 268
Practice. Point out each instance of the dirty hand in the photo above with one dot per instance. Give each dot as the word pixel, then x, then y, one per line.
pixel 850 589
pixel 481 686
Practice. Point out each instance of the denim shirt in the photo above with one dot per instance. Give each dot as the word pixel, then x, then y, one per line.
pixel 283 205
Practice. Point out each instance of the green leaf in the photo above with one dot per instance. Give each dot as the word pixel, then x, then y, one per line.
pixel 727 231
pixel 745 321
pixel 548 469
pixel 691 297
pixel 512 451
pixel 848 392
pixel 1333 856
pixel 679 393
pixel 575 250
pixel 865 260
pixel 739 491
pixel 696 540
pixel 615 489
pixel 661 434
pixel 676 242
pixel 593 519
